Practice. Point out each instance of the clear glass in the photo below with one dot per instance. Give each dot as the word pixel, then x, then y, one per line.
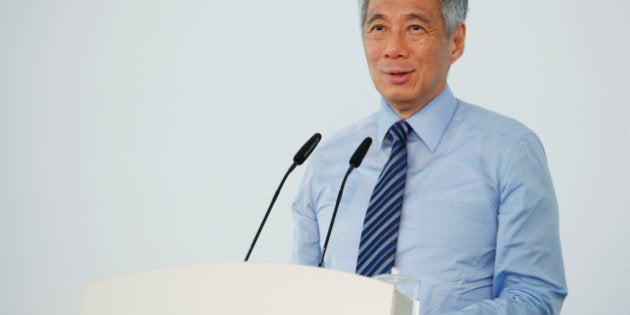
pixel 408 286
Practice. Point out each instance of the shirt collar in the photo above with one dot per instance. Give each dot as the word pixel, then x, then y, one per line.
pixel 429 123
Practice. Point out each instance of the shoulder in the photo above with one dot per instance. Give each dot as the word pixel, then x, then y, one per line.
pixel 340 145
pixel 497 135
pixel 478 119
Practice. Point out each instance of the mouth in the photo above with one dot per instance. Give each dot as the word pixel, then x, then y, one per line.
pixel 399 76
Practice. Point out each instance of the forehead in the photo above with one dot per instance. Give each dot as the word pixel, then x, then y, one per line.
pixel 385 8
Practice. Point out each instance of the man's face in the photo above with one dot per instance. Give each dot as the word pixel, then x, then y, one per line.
pixel 409 52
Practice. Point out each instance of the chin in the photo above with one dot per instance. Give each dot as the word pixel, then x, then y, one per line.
pixel 401 99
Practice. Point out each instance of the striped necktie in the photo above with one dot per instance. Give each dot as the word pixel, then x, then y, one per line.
pixel 380 227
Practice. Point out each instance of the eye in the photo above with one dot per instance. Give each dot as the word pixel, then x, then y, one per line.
pixel 416 27
pixel 378 28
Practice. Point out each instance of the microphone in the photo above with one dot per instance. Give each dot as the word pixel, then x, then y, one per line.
pixel 360 153
pixel 355 161
pixel 306 149
pixel 298 159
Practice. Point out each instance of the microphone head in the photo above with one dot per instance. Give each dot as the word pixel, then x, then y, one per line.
pixel 360 153
pixel 306 149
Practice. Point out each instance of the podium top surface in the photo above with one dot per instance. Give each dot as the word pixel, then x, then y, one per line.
pixel 243 288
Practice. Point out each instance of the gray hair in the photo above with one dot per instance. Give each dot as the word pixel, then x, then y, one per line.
pixel 453 13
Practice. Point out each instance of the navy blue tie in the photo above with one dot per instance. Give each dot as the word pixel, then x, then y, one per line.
pixel 380 227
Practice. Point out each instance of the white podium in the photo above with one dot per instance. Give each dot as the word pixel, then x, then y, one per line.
pixel 243 288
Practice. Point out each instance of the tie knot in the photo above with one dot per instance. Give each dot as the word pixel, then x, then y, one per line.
pixel 399 131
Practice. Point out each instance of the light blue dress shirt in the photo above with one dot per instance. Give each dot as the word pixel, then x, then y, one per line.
pixel 479 222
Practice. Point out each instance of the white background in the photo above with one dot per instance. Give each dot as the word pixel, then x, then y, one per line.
pixel 144 134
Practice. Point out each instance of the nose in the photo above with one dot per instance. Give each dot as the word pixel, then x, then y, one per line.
pixel 396 47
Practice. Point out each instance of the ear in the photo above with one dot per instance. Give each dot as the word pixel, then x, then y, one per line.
pixel 457 40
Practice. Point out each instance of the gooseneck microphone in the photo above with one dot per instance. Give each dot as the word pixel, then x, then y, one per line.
pixel 298 159
pixel 355 161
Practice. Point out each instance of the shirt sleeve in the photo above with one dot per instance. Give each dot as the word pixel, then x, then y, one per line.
pixel 306 250
pixel 529 272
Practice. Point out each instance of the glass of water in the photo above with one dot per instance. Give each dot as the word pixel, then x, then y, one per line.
pixel 408 286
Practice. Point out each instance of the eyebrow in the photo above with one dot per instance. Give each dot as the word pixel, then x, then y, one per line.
pixel 410 16
pixel 375 17
pixel 416 16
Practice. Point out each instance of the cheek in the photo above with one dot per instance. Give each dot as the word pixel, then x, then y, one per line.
pixel 430 60
pixel 425 53
pixel 371 58
pixel 372 52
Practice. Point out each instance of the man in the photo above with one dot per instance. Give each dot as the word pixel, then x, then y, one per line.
pixel 448 193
